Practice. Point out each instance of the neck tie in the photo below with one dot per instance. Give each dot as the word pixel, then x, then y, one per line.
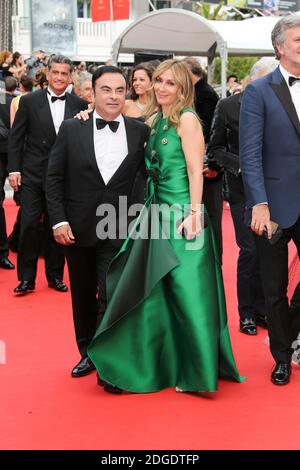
pixel 113 125
pixel 54 98
pixel 293 80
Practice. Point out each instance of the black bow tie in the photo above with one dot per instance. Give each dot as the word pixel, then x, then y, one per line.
pixel 54 98
pixel 293 80
pixel 113 125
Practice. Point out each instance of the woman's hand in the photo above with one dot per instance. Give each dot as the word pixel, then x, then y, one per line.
pixel 191 226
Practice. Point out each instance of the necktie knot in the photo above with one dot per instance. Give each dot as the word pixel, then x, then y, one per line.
pixel 292 80
pixel 101 123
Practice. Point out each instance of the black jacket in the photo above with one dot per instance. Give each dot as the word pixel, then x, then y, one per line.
pixel 205 103
pixel 5 102
pixel 33 134
pixel 223 147
pixel 74 185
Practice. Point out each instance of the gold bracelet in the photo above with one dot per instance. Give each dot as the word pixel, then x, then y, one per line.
pixel 195 211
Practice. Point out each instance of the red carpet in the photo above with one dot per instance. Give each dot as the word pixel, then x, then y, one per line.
pixel 42 407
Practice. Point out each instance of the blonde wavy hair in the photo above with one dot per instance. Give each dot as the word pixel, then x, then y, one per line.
pixel 185 95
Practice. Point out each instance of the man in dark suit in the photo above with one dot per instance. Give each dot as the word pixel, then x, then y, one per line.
pixel 92 165
pixel 270 163
pixel 33 134
pixel 223 149
pixel 6 97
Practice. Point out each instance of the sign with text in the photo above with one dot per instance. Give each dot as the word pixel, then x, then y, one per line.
pixel 121 9
pixel 267 6
pixel 53 26
pixel 291 5
pixel 100 10
pixel 106 10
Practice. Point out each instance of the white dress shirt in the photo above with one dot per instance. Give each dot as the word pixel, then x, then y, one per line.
pixel 57 109
pixel 110 147
pixel 294 89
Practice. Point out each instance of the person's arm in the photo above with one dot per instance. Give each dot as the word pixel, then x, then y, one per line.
pixel 18 71
pixel 193 147
pixel 16 143
pixel 217 150
pixel 206 103
pixel 218 138
pixel 55 186
pixel 251 158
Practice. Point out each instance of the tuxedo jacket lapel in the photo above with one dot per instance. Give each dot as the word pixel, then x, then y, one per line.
pixel 87 143
pixel 131 135
pixel 279 86
pixel 69 109
pixel 45 116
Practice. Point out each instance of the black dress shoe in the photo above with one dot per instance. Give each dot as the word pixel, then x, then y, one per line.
pixel 262 322
pixel 247 326
pixel 57 284
pixel 281 373
pixel 111 388
pixel 5 263
pixel 25 286
pixel 100 382
pixel 84 367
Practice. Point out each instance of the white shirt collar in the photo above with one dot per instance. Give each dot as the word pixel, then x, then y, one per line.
pixel 285 74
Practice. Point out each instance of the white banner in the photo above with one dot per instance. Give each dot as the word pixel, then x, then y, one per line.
pixel 53 26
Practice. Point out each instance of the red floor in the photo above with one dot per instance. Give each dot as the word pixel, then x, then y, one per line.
pixel 42 407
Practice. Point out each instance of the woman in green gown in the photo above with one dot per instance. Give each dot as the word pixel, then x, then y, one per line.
pixel 166 323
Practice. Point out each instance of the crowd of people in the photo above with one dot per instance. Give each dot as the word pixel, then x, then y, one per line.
pixel 149 311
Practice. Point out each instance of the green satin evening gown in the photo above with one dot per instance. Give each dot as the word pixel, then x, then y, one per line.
pixel 165 323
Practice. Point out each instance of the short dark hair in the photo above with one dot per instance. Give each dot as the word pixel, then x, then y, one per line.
pixel 10 84
pixel 26 82
pixel 232 76
pixel 105 69
pixel 60 59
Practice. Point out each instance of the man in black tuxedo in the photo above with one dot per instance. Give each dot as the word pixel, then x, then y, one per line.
pixel 223 150
pixel 6 97
pixel 93 163
pixel 33 134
